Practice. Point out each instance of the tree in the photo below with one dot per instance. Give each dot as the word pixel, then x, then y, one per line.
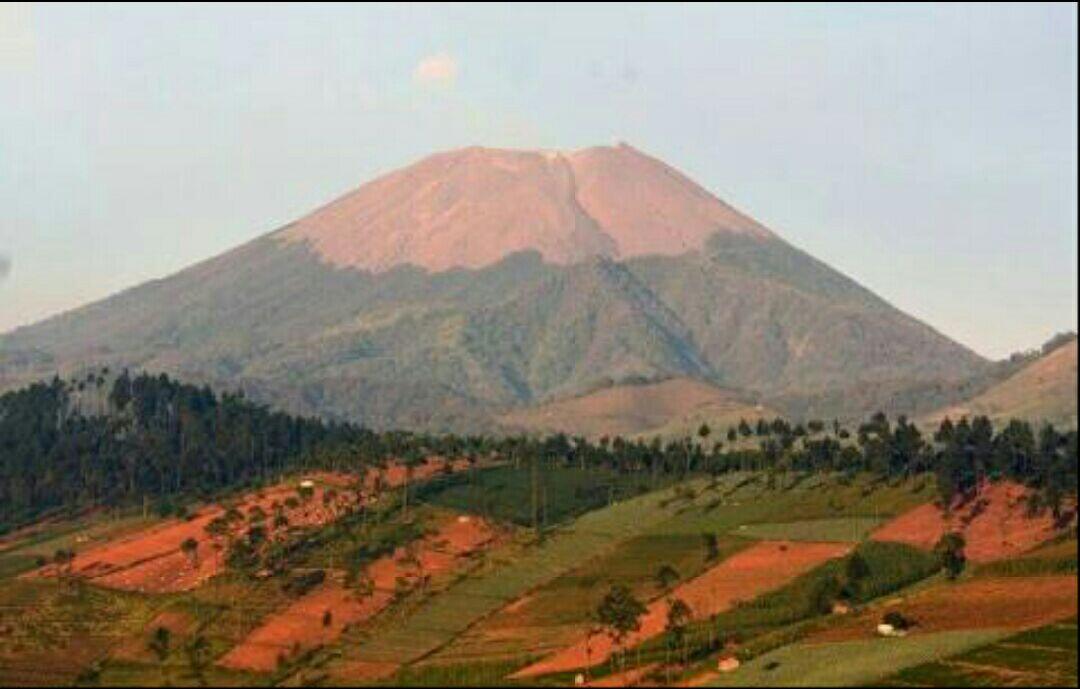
pixel 666 576
pixel 856 570
pixel 190 548
pixel 678 616
pixel 712 546
pixel 950 551
pixel 620 613
pixel 198 655
pixel 159 645
pixel 64 561
pixel 704 432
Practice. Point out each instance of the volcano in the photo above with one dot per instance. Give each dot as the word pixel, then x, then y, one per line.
pixel 481 281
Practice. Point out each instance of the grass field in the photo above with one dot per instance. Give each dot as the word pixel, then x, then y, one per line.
pixel 504 493
pixel 850 663
pixel 840 529
pixel 1044 657
pixel 54 633
pixel 1056 557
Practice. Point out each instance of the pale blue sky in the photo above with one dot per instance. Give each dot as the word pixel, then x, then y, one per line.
pixel 930 152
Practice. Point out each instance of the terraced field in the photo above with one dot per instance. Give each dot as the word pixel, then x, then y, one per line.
pixel 1044 657
pixel 512 574
pixel 558 613
pixel 850 663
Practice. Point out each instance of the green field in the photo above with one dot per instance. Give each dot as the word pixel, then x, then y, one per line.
pixel 1056 557
pixel 850 663
pixel 842 530
pixel 1045 657
pixel 504 493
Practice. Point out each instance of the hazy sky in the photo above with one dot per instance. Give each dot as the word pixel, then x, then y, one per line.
pixel 929 152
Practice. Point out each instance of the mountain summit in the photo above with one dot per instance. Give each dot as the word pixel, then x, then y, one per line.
pixel 478 282
pixel 472 207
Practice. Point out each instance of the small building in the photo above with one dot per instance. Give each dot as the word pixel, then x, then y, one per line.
pixel 840 608
pixel 579 680
pixel 728 664
pixel 885 629
pixel 307 483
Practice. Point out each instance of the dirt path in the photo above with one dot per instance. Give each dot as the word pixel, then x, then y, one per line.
pixel 763 567
pixel 303 624
pixel 995 524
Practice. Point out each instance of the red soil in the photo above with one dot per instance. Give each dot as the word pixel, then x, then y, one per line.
pixel 1006 602
pixel 301 624
pixel 365 671
pixel 151 560
pixel 995 524
pixel 749 573
pixel 629 678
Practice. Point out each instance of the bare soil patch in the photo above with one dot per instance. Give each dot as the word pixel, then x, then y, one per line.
pixel 995 524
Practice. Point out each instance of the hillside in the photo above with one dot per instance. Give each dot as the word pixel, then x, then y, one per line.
pixel 673 407
pixel 1044 390
pixel 349 312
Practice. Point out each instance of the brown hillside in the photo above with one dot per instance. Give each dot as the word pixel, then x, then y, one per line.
pixel 672 407
pixel 1044 390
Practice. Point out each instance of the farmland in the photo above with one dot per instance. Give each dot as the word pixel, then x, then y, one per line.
pixel 1045 656
pixel 489 601
pixel 852 663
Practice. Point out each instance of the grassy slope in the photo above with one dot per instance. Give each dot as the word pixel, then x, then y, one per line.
pixel 1044 390
pixel 670 408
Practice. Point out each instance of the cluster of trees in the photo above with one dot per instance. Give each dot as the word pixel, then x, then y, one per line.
pixel 114 440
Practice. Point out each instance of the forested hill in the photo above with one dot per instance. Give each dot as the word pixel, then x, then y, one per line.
pixel 125 440
pixel 101 441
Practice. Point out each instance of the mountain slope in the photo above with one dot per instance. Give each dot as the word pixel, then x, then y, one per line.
pixel 1043 391
pixel 674 406
pixel 322 317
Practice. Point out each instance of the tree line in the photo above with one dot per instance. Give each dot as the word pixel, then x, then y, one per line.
pixel 117 440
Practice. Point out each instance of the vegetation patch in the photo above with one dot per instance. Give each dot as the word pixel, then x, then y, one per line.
pixel 839 530
pixel 1040 657
pixel 851 663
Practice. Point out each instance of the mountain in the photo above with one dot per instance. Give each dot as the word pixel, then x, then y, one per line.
pixel 1045 390
pixel 480 281
pixel 675 408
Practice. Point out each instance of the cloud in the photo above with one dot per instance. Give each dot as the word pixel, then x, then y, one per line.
pixel 5 267
pixel 440 69
pixel 18 44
